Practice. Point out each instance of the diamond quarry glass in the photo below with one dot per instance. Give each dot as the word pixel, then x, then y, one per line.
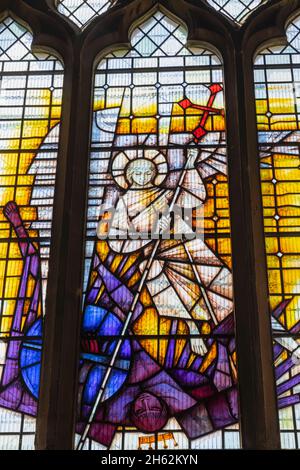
pixel 82 12
pixel 236 10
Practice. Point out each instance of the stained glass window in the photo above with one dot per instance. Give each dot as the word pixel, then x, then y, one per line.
pixel 236 10
pixel 278 97
pixel 158 361
pixel 30 106
pixel 82 12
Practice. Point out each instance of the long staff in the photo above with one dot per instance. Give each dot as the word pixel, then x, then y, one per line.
pixel 214 89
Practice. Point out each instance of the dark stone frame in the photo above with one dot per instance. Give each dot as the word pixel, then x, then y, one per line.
pixel 78 51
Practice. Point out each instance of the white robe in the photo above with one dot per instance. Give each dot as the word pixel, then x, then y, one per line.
pixel 172 281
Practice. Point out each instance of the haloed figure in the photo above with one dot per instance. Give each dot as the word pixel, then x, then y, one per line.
pixel 187 280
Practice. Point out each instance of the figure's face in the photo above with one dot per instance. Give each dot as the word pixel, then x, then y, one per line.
pixel 142 172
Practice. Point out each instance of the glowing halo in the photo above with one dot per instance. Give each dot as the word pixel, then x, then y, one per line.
pixel 122 160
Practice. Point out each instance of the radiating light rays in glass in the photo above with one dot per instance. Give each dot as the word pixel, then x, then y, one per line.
pixel 150 99
pixel 277 84
pixel 30 110
pixel 82 12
